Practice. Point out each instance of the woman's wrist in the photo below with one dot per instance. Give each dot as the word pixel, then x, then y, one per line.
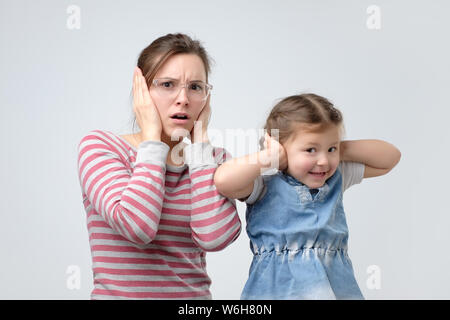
pixel 151 136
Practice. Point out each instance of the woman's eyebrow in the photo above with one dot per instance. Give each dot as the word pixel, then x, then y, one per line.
pixel 170 78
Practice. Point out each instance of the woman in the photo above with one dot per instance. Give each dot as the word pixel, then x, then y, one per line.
pixel 152 207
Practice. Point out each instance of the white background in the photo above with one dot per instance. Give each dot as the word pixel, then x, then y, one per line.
pixel 57 84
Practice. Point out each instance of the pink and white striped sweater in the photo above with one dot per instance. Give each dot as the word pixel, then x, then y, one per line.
pixel 150 223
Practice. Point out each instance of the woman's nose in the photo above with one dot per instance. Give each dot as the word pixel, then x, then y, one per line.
pixel 182 97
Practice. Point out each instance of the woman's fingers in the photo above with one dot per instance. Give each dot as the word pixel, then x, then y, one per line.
pixel 204 115
pixel 134 85
pixel 144 90
pixel 147 115
pixel 139 81
pixel 135 89
pixel 207 111
pixel 139 96
pixel 200 127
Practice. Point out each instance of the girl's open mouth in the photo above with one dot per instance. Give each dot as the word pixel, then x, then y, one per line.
pixel 318 174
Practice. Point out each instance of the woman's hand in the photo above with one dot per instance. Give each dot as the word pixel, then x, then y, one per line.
pixel 273 152
pixel 199 132
pixel 147 115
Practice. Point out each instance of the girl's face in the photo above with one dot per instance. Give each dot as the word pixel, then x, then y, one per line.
pixel 313 157
pixel 180 68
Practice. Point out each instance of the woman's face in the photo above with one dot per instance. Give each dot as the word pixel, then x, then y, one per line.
pixel 310 153
pixel 182 68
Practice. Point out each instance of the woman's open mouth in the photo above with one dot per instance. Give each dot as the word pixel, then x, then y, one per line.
pixel 180 118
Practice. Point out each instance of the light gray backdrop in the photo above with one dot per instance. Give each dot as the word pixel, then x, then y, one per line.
pixel 391 83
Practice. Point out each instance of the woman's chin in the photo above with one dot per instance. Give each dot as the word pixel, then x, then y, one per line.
pixel 177 133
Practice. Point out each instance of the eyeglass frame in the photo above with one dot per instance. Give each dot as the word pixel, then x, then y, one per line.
pixel 209 86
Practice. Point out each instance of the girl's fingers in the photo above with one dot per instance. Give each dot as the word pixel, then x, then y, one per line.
pixel 268 140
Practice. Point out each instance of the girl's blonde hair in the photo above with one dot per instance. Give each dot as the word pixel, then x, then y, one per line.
pixel 308 111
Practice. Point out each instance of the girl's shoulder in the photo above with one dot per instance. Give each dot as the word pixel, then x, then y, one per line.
pixel 260 187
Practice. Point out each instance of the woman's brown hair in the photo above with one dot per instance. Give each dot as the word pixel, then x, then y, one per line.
pixel 160 50
pixel 308 111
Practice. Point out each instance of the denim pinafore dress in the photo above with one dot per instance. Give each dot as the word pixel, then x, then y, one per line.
pixel 299 242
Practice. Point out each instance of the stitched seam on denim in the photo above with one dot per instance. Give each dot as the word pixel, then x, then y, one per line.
pixel 344 250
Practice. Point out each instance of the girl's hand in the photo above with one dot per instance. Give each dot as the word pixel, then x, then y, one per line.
pixel 199 132
pixel 273 150
pixel 147 115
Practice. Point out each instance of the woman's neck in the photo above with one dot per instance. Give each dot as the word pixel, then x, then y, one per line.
pixel 138 138
pixel 171 144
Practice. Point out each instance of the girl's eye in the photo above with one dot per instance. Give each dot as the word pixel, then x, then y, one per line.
pixel 333 148
pixel 310 149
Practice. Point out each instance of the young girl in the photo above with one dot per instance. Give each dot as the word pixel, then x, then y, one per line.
pixel 295 218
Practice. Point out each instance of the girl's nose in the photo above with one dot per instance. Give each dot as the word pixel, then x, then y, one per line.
pixel 323 161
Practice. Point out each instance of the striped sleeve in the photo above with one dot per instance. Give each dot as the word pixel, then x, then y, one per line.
pixel 129 202
pixel 214 222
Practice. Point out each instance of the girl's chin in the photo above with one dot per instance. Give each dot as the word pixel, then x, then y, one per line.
pixel 312 182
pixel 317 182
pixel 314 185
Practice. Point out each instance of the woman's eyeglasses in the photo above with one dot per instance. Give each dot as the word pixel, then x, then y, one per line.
pixel 196 91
